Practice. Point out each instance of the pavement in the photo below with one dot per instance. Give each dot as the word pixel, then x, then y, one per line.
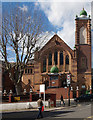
pixel 36 109
pixel 32 106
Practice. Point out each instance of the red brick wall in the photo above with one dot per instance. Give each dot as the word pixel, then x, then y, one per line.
pixel 54 83
pixel 59 92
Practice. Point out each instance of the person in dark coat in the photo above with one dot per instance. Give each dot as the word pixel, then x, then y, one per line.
pixel 40 104
pixel 62 100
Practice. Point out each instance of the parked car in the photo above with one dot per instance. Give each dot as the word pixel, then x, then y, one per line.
pixel 84 98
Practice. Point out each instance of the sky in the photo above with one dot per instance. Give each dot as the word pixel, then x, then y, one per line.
pixel 59 16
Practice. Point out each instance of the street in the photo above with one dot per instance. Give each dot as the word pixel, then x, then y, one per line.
pixel 81 111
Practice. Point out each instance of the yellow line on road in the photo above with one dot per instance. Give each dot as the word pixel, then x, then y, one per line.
pixel 90 117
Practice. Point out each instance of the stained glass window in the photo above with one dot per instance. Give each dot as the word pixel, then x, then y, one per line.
pixel 61 58
pixel 50 59
pixel 55 57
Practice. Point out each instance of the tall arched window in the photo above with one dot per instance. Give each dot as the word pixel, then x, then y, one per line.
pixel 67 60
pixel 44 65
pixel 83 35
pixel 55 57
pixel 61 58
pixel 50 59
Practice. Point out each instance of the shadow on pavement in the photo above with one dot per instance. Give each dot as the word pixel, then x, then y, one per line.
pixel 31 115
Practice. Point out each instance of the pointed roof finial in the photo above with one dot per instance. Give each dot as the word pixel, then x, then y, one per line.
pixel 83 12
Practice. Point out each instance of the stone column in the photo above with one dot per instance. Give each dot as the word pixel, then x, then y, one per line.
pixel 89 32
pixel 58 59
pixel 76 33
pixel 52 58
pixel 64 64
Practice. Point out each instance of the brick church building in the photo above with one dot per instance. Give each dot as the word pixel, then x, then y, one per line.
pixel 56 60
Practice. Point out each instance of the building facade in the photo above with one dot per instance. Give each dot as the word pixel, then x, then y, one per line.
pixel 56 60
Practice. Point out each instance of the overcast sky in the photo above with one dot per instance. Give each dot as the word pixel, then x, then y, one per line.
pixel 58 15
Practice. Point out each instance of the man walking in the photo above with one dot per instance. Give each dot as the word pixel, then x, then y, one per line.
pixel 62 100
pixel 40 104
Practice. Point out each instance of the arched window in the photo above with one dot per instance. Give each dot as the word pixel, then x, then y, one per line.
pixel 55 57
pixel 50 59
pixel 44 65
pixel 83 35
pixel 61 58
pixel 67 60
pixel 25 71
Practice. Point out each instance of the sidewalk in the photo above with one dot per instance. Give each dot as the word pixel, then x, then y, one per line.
pixel 36 109
pixel 29 106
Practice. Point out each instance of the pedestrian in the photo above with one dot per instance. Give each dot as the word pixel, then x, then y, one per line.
pixel 40 104
pixel 49 103
pixel 62 100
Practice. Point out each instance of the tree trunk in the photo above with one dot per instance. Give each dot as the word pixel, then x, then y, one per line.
pixel 18 88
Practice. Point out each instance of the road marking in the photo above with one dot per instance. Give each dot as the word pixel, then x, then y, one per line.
pixel 90 117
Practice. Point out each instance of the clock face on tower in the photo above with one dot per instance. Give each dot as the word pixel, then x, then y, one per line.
pixel 83 35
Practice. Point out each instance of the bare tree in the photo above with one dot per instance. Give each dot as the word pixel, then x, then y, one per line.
pixel 20 35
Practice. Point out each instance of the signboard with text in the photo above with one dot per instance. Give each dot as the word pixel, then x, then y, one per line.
pixel 68 79
pixel 42 88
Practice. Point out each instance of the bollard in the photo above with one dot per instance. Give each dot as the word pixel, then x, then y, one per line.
pixel 71 93
pixel 90 90
pixel 30 95
pixel 77 93
pixel 10 96
pixel 4 94
pixel 24 92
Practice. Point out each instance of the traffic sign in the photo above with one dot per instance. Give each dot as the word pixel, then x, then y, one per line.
pixel 68 79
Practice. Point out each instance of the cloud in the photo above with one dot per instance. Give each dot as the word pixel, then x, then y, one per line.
pixel 24 8
pixel 62 14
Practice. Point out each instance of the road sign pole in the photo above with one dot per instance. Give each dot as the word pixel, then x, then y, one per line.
pixel 68 84
pixel 42 89
pixel 69 96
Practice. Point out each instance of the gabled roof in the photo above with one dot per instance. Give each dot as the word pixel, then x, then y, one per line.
pixel 58 42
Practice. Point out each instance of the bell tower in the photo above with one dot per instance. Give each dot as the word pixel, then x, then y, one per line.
pixel 83 29
pixel 83 48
